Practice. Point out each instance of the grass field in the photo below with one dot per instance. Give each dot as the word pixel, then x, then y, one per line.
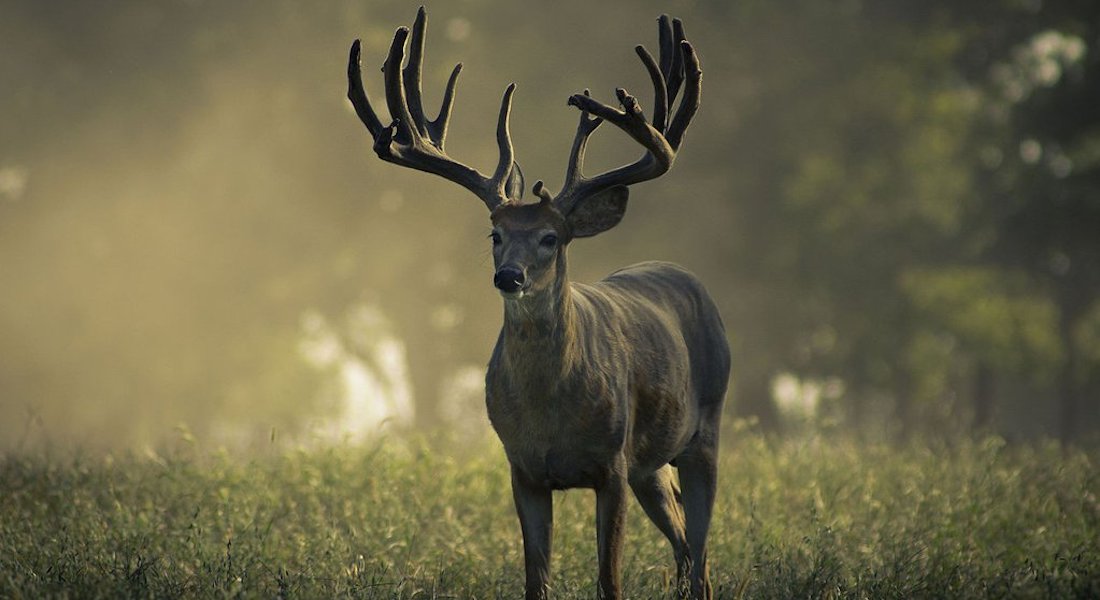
pixel 809 518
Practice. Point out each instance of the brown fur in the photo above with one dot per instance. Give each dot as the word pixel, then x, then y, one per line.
pixel 603 386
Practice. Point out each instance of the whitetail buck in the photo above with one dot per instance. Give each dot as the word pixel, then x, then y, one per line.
pixel 600 386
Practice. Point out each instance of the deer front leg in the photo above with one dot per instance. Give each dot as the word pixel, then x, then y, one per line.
pixel 535 508
pixel 610 522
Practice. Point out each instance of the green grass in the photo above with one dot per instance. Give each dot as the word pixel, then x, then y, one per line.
pixel 810 518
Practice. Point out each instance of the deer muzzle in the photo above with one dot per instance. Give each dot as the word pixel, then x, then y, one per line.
pixel 510 280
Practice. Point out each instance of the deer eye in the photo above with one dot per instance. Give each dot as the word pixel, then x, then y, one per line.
pixel 548 241
pixel 496 238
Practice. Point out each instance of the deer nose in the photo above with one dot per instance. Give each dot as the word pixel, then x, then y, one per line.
pixel 509 279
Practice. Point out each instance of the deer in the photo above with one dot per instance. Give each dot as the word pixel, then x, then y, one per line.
pixel 605 386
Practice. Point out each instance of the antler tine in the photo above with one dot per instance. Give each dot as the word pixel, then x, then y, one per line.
pixel 395 88
pixel 504 142
pixel 689 104
pixel 412 141
pixel 543 193
pixel 660 92
pixel 413 71
pixel 437 129
pixel 664 40
pixel 585 127
pixel 358 95
pixel 675 76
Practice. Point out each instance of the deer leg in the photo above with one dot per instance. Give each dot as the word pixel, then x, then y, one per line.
pixel 535 508
pixel 698 467
pixel 659 496
pixel 610 523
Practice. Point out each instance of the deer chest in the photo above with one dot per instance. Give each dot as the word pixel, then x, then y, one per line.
pixel 560 441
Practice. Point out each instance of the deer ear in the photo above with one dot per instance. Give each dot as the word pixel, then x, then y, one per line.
pixel 599 212
pixel 513 188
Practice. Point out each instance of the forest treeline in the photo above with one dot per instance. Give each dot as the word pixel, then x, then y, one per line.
pixel 895 203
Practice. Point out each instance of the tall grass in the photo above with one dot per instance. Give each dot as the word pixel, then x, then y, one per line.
pixel 809 518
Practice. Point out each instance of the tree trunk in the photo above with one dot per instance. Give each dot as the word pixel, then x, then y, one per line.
pixel 904 413
pixel 754 399
pixel 983 398
pixel 1068 385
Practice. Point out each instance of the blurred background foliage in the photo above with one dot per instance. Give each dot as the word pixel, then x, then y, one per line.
pixel 895 203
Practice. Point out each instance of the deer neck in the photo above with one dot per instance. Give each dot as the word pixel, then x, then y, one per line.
pixel 539 330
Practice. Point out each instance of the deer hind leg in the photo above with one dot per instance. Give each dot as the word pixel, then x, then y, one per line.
pixel 698 467
pixel 659 496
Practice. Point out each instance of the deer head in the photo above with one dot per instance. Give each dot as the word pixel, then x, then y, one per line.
pixel 529 239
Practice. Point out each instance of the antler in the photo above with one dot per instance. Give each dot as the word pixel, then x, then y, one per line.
pixel 413 141
pixel 661 139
